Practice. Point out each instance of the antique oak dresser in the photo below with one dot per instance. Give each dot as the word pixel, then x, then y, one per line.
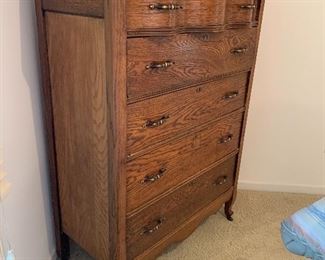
pixel 145 105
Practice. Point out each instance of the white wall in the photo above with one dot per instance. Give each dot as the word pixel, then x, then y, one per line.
pixel 27 206
pixel 285 139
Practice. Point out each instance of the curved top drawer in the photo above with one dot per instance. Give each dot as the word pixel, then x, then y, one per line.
pixel 160 64
pixel 168 15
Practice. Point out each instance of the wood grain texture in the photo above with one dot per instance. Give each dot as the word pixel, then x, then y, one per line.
pixel 115 45
pixel 80 119
pixel 193 13
pixel 196 58
pixel 61 240
pixel 181 159
pixel 235 14
pixel 80 7
pixel 186 228
pixel 209 14
pixel 177 207
pixel 229 204
pixel 102 94
pixel 183 110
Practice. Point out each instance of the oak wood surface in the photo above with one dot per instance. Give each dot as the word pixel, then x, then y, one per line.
pixel 183 110
pixel 181 159
pixel 236 14
pixel 177 207
pixel 186 228
pixel 79 7
pixel 188 14
pixel 192 13
pixel 196 57
pixel 230 203
pixel 61 240
pixel 115 56
pixel 80 121
pixel 101 93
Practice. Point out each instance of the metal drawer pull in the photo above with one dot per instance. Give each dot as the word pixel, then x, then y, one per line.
pixel 239 50
pixel 150 230
pixel 222 180
pixel 155 177
pixel 155 123
pixel 160 65
pixel 248 6
pixel 165 7
pixel 226 139
pixel 231 95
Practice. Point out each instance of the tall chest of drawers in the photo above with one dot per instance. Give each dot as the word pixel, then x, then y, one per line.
pixel 145 106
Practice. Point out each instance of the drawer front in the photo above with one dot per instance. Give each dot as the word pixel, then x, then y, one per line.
pixel 154 222
pixel 158 64
pixel 241 11
pixel 166 167
pixel 160 118
pixel 152 15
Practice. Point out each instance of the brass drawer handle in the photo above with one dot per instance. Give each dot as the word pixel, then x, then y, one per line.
pixel 231 95
pixel 149 230
pixel 248 6
pixel 226 139
pixel 160 65
pixel 239 50
pixel 155 123
pixel 165 7
pixel 155 177
pixel 221 180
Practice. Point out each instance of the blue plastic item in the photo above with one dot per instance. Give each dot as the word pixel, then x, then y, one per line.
pixel 304 232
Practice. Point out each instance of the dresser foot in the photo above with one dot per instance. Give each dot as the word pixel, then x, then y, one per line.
pixel 228 211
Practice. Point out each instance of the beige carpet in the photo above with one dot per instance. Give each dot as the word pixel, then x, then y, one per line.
pixel 254 234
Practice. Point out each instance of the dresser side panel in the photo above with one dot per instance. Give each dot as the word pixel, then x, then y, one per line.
pixel 76 49
pixel 81 7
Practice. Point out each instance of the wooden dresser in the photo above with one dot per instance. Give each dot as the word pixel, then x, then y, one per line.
pixel 145 106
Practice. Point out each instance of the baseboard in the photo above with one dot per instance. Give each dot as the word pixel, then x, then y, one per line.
pixel 53 256
pixel 292 188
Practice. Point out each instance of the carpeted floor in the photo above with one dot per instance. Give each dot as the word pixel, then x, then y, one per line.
pixel 254 234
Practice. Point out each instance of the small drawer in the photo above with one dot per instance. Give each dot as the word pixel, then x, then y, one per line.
pixel 160 64
pixel 149 15
pixel 169 165
pixel 152 14
pixel 158 119
pixel 241 11
pixel 147 227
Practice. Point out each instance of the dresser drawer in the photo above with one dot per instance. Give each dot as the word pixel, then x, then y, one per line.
pixel 167 166
pixel 241 11
pixel 153 15
pixel 160 118
pixel 158 64
pixel 154 222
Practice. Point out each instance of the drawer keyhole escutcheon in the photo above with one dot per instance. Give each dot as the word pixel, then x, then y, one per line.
pixel 160 64
pixel 153 228
pixel 154 177
pixel 155 123
pixel 230 95
pixel 239 50
pixel 221 180
pixel 165 7
pixel 226 139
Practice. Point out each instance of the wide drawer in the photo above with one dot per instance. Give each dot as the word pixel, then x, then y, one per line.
pixel 160 118
pixel 167 166
pixel 158 64
pixel 154 222
pixel 152 15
